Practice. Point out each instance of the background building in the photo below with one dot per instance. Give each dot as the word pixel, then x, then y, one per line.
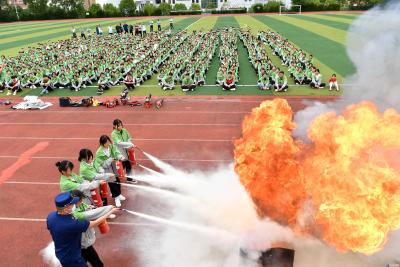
pixel 19 3
pixel 88 3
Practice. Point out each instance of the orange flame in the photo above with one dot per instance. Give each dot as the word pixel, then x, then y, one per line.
pixel 348 174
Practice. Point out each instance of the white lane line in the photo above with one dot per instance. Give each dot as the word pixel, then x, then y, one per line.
pixel 21 219
pixel 139 159
pixel 125 124
pixel 96 138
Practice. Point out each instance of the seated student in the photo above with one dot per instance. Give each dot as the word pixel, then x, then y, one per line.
pixel 103 84
pixel 63 81
pixel 317 80
pixel 129 81
pixel 333 81
pixel 220 76
pixel 263 83
pixel 281 82
pixel 70 181
pixel 229 82
pixel 187 83
pixel 123 140
pixel 199 78
pixel 55 80
pixel 46 84
pixel 2 77
pixel 106 156
pixel 114 79
pixel 25 81
pixel 14 86
pixel 167 82
pixel 299 76
pixel 76 83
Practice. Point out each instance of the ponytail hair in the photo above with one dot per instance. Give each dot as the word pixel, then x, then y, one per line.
pixel 85 154
pixel 64 165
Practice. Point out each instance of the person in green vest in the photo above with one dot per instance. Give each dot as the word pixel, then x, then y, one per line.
pixel 187 83
pixel 106 156
pixel 167 82
pixel 89 172
pixel 71 181
pixel 281 82
pixel 123 140
pixel 87 212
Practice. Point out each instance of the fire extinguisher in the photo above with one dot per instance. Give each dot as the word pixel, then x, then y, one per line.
pixel 96 197
pixel 104 227
pixel 120 171
pixel 131 156
pixel 104 190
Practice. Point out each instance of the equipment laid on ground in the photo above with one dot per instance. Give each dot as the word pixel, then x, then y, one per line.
pixel 159 103
pixel 32 102
pixel 147 101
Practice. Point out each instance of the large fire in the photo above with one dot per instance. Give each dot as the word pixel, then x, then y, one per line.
pixel 344 187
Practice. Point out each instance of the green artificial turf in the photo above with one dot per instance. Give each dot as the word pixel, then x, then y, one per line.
pixel 334 24
pixel 325 42
pixel 327 51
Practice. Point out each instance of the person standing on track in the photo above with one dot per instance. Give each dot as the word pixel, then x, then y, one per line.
pixel 106 156
pixel 159 25
pixel 70 181
pixel 66 231
pixel 123 140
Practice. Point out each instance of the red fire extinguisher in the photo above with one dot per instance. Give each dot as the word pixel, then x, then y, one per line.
pixel 131 156
pixel 96 197
pixel 104 190
pixel 120 171
pixel 104 227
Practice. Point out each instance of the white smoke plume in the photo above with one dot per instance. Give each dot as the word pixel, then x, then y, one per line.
pixel 373 46
pixel 49 256
pixel 224 205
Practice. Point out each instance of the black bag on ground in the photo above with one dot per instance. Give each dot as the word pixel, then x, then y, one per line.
pixel 65 102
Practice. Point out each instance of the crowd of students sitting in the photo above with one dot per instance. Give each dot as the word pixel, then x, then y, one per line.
pixel 300 65
pixel 228 72
pixel 177 58
pixel 189 64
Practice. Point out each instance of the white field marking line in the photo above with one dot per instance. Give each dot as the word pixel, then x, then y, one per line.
pixel 30 183
pixel 139 159
pixel 21 219
pixel 96 138
pixel 126 124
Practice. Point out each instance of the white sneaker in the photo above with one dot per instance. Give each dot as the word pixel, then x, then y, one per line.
pixel 112 216
pixel 15 93
pixel 9 93
pixel 122 198
pixel 117 202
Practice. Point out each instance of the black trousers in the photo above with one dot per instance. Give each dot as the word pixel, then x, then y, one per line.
pixel 90 255
pixel 127 166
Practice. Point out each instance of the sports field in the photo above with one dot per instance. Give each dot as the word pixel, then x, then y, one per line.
pixel 323 35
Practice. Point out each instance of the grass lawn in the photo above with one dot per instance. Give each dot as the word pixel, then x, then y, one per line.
pixel 323 35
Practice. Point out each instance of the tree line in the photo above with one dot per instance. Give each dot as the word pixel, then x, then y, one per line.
pixel 68 9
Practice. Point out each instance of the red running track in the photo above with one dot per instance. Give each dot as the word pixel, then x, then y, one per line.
pixel 188 132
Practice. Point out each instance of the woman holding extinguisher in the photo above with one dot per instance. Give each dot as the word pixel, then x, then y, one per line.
pixel 90 172
pixel 106 156
pixel 70 181
pixel 123 140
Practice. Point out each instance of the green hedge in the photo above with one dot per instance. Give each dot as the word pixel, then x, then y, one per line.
pixel 230 11
pixel 186 12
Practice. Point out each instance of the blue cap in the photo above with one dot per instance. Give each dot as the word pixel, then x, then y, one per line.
pixel 65 199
